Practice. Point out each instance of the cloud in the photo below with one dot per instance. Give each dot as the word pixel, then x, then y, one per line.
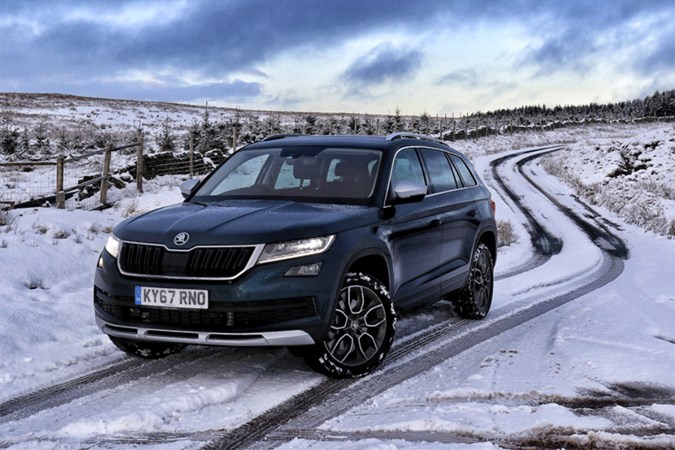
pixel 660 57
pixel 464 77
pixel 73 40
pixel 211 34
pixel 576 35
pixel 236 90
pixel 81 46
pixel 384 63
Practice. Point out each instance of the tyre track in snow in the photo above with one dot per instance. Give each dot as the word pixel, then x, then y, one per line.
pixel 303 414
pixel 330 398
pixel 335 402
pixel 599 233
pixel 544 243
pixel 109 377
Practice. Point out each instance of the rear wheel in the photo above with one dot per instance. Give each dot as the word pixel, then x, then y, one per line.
pixel 361 331
pixel 145 349
pixel 474 301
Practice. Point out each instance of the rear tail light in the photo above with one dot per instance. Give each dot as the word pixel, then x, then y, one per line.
pixel 493 207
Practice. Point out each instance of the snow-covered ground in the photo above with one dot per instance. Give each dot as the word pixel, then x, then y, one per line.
pixel 95 114
pixel 629 169
pixel 597 371
pixel 554 377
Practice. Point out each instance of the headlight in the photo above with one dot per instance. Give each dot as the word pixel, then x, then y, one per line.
pixel 295 249
pixel 112 246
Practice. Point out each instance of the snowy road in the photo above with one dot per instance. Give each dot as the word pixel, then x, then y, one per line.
pixel 264 398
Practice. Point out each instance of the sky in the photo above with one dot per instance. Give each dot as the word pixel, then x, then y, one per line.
pixel 440 57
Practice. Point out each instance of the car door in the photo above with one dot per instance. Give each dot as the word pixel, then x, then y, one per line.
pixel 414 236
pixel 457 214
pixel 461 219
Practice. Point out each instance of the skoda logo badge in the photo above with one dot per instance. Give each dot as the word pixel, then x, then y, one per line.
pixel 181 238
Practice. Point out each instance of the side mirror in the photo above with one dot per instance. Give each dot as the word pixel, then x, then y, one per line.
pixel 409 192
pixel 186 187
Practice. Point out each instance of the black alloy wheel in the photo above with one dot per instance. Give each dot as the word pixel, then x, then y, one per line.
pixel 361 331
pixel 475 299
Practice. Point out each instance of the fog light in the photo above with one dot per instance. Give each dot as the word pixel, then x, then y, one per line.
pixel 306 270
pixel 100 261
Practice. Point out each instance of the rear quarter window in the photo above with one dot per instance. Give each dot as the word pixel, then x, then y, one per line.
pixel 464 172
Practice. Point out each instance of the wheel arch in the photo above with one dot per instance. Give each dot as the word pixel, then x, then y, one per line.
pixel 489 238
pixel 373 263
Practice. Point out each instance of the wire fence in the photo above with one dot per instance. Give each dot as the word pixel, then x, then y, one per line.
pixel 86 180
pixel 43 183
pixel 22 182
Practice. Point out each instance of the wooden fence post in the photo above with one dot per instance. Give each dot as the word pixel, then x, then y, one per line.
pixel 139 163
pixel 192 155
pixel 60 195
pixel 106 174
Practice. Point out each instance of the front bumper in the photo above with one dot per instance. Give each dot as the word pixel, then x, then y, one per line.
pixel 262 307
pixel 262 339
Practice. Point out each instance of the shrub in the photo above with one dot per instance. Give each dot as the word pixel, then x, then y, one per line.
pixel 61 234
pixel 7 218
pixel 505 233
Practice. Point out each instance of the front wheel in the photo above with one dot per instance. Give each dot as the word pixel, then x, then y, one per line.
pixel 145 349
pixel 474 301
pixel 361 331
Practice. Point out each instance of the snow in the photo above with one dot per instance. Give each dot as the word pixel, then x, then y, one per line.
pixel 596 371
pixel 599 345
pixel 632 177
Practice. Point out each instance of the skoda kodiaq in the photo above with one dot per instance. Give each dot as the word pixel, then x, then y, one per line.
pixel 309 242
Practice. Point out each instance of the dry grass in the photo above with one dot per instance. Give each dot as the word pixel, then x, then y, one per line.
pixel 7 218
pixel 505 234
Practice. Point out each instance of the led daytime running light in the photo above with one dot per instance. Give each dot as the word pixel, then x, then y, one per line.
pixel 295 249
pixel 112 246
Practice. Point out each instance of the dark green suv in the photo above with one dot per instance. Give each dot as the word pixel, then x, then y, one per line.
pixel 309 242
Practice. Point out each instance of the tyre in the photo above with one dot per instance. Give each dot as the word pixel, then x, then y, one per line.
pixel 474 301
pixel 361 331
pixel 147 350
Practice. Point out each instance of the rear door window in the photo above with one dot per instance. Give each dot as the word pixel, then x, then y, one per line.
pixel 441 178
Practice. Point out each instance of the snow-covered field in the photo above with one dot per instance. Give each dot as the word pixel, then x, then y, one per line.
pixel 597 371
pixel 94 115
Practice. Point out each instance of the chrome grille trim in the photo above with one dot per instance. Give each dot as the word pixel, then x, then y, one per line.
pixel 257 250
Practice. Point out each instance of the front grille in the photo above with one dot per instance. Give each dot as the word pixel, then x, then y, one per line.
pixel 211 262
pixel 221 316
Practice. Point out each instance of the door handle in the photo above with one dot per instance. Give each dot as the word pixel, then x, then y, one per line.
pixel 472 213
pixel 435 223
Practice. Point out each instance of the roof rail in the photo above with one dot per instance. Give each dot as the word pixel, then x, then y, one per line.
pixel 274 137
pixel 407 135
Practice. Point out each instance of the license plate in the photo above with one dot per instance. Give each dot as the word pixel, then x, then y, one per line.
pixel 172 298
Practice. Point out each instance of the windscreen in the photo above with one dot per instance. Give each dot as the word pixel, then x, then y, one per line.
pixel 339 175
